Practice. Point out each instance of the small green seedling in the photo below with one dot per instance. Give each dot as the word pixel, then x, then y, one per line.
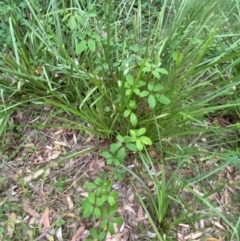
pixel 115 155
pixel 136 141
pixel 101 204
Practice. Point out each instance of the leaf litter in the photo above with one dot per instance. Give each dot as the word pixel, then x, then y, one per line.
pixel 46 189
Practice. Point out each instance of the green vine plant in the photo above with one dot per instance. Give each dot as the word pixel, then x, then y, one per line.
pixel 151 92
pixel 101 205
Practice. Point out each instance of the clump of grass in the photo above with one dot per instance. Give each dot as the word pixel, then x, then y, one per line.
pixel 89 62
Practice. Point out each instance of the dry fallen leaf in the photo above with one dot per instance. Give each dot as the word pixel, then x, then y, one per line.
pixel 59 143
pixel 115 237
pixel 11 224
pixel 78 233
pixel 45 218
pixel 70 203
pixel 31 211
pixel 70 215
pixel 140 213
pixel 34 175
pixel 193 236
pixel 59 234
pixel 219 225
pixel 151 235
pixel 90 138
pixel 131 198
pixel 129 208
pixel 212 239
pixel 42 193
pixel 180 237
pixel 55 154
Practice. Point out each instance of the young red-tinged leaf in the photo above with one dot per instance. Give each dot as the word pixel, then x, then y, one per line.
pixel 81 47
pixel 145 140
pixel 164 100
pixel 133 119
pixel 152 101
pixel 92 45
pixel 97 212
pixel 72 23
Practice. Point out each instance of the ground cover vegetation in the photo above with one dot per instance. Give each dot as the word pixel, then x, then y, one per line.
pixel 119 120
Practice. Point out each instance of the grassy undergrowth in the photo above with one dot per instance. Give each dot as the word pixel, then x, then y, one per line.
pixel 154 82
